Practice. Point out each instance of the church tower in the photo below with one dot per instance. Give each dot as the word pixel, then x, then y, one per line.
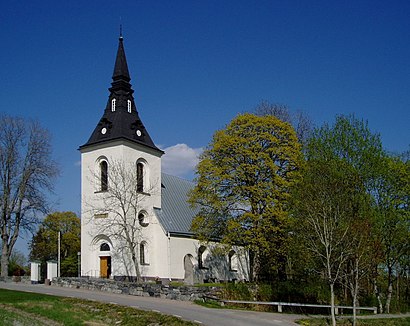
pixel 120 137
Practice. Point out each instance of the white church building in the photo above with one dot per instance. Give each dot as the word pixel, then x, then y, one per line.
pixel 134 215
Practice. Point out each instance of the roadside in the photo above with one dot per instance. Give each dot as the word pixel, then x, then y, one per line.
pixel 182 309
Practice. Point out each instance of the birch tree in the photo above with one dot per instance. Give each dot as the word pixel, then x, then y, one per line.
pixel 342 166
pixel 27 173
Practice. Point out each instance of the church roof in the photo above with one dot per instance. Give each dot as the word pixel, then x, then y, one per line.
pixel 176 214
pixel 120 119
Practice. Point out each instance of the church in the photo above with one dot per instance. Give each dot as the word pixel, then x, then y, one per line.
pixel 135 220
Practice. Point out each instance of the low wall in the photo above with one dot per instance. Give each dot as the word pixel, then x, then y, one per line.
pixel 16 279
pixel 183 293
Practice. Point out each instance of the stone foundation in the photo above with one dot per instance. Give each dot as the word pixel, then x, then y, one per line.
pixel 182 293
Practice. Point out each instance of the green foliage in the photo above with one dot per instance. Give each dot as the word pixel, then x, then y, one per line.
pixel 44 244
pixel 17 264
pixel 243 186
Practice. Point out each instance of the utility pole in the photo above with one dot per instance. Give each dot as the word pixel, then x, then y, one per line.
pixel 59 255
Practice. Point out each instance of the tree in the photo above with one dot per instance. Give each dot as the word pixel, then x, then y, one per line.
pixel 324 205
pixel 334 197
pixel 27 173
pixel 300 121
pixel 17 263
pixel 44 244
pixel 122 205
pixel 243 186
pixel 392 202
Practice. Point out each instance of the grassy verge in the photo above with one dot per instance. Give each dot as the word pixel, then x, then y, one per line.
pixel 32 309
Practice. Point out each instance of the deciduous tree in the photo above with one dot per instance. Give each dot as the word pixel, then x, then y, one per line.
pixel 341 169
pixel 243 186
pixel 27 172
pixel 44 244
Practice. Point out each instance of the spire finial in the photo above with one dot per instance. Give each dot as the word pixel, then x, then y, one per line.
pixel 121 32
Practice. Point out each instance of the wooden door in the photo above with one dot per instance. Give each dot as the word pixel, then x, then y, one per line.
pixel 104 267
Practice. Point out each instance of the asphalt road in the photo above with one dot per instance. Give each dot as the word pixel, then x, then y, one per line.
pixel 184 310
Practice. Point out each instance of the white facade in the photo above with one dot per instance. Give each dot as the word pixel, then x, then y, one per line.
pixel 166 255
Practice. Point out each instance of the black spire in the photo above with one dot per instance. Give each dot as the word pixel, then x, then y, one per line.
pixel 121 67
pixel 120 119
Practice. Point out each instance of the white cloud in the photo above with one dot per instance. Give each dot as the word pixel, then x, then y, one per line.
pixel 180 160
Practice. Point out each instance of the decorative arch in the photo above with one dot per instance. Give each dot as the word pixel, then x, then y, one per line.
pixel 101 238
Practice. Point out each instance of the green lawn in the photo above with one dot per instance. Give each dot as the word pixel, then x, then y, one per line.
pixel 32 309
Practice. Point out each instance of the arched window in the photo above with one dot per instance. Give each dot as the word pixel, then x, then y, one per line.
pixel 232 261
pixel 129 106
pixel 104 175
pixel 142 218
pixel 113 104
pixel 201 251
pixel 105 247
pixel 143 253
pixel 140 177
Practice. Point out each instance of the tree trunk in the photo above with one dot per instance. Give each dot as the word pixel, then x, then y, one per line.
pixel 355 290
pixel 332 303
pixel 377 293
pixel 5 258
pixel 388 299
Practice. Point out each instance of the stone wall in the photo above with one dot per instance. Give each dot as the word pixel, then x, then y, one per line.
pixel 9 279
pixel 183 293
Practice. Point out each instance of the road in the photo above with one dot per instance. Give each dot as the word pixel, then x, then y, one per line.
pixel 182 309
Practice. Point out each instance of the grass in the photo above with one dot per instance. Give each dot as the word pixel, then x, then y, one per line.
pixel 405 321
pixel 32 309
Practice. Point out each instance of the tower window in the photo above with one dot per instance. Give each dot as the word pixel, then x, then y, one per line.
pixel 113 104
pixel 129 106
pixel 140 177
pixel 104 176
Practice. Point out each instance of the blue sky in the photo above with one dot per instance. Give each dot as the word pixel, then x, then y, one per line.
pixel 196 64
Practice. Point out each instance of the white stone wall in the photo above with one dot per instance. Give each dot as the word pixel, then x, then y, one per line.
pixel 92 233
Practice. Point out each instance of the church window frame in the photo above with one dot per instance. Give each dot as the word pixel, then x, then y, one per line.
pixel 103 165
pixel 104 247
pixel 142 176
pixel 201 256
pixel 143 251
pixel 143 218
pixel 232 261
pixel 113 101
pixel 129 106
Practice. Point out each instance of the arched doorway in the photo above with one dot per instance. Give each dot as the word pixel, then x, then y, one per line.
pixel 105 261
